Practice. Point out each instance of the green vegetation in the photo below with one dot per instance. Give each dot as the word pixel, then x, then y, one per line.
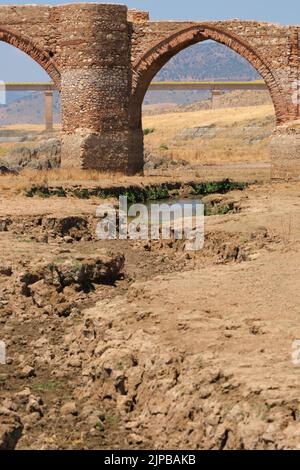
pixel 221 209
pixel 221 187
pixel 48 386
pixel 164 147
pixel 148 130
pixel 99 425
pixel 111 420
pixel 45 192
pixel 140 193
pixel 81 193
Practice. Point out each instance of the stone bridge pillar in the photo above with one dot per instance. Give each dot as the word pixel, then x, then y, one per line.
pixel 95 88
pixel 285 143
pixel 285 152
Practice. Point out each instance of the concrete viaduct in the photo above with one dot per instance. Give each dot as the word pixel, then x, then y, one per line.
pixel 215 88
pixel 103 57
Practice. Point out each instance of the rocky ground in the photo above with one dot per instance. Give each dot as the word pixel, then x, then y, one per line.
pixel 140 344
pixel 42 155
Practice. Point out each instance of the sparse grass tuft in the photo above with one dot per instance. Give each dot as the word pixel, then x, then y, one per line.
pixel 163 147
pixel 48 386
pixel 148 130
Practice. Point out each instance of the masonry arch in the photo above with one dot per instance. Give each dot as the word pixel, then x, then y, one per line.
pixel 43 58
pixel 147 66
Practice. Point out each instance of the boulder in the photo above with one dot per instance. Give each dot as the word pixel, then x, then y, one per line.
pixel 74 226
pixel 4 170
pixel 44 156
pixel 101 268
pixel 154 162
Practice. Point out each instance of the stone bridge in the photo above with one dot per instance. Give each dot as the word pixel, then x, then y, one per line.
pixel 103 57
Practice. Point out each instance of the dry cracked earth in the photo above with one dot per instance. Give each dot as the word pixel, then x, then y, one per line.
pixel 133 345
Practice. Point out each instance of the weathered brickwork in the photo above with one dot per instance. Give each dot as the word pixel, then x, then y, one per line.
pixel 103 57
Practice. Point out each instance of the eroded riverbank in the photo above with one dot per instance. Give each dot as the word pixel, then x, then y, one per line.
pixel 106 364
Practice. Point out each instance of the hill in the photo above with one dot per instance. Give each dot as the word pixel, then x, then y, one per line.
pixel 207 61
pixel 213 136
pixel 204 61
pixel 26 109
pixel 229 99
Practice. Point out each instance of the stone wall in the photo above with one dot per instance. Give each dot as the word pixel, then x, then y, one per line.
pixel 103 57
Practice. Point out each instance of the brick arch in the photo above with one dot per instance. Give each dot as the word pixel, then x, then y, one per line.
pixel 43 58
pixel 145 69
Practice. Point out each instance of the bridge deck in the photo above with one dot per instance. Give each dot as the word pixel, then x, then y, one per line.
pixel 156 85
pixel 205 85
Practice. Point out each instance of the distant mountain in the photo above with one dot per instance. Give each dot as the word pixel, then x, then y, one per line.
pixel 26 108
pixel 207 61
pixel 204 61
pixel 229 99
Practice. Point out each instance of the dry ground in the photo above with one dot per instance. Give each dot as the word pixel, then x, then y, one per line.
pixel 224 135
pixel 209 367
pixel 174 350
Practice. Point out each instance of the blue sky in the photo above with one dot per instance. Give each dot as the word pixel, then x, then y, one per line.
pixel 287 12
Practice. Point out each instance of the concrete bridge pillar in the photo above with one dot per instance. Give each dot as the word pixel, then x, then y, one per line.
pixel 48 111
pixel 95 88
pixel 215 98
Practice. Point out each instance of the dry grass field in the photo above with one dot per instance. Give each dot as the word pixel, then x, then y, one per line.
pixel 205 137
pixel 27 127
pixel 214 141
pixel 12 185
pixel 213 136
pixel 60 176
